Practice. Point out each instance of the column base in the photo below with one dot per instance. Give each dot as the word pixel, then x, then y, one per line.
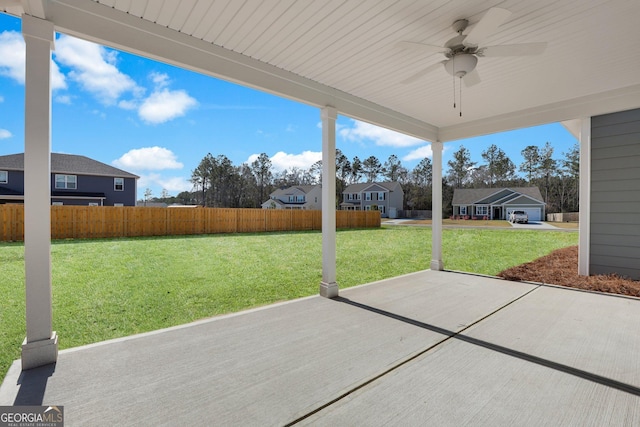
pixel 328 290
pixel 437 265
pixel 39 353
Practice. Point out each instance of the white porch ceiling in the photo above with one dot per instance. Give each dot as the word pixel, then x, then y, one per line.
pixel 342 53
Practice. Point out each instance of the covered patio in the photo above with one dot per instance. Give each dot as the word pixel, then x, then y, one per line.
pixel 435 347
pixel 429 348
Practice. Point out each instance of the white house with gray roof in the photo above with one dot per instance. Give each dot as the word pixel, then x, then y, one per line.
pixel 75 180
pixel 498 203
pixel 386 197
pixel 307 197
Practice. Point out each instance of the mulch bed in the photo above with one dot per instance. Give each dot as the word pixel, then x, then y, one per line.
pixel 560 267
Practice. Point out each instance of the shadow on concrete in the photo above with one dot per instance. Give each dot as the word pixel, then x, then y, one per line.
pixel 618 385
pixel 33 384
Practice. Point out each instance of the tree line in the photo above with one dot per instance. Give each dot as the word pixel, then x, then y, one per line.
pixel 217 182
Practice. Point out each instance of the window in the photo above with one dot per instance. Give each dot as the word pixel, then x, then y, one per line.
pixel 118 184
pixel 4 177
pixel 382 209
pixel 299 198
pixel 118 205
pixel 67 182
pixel 463 210
pixel 481 210
pixel 381 195
pixel 367 196
pixel 56 203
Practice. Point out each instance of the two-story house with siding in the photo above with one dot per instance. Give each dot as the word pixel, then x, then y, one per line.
pixel 307 197
pixel 386 197
pixel 75 180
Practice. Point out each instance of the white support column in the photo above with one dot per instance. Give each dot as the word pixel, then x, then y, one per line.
pixel 328 285
pixel 585 197
pixel 40 347
pixel 436 208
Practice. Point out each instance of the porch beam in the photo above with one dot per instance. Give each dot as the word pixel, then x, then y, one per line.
pixel 328 285
pixel 436 208
pixel 584 225
pixel 40 346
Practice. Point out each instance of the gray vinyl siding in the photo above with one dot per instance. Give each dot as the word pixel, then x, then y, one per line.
pixel 15 181
pixel 615 194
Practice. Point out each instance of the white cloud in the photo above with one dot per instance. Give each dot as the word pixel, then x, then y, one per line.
pixel 176 184
pixel 163 105
pixel 12 60
pixel 148 158
pixel 160 80
pixel 94 68
pixel 63 99
pixel 128 104
pixel 419 153
pixel 4 134
pixel 173 185
pixel 281 160
pixel 380 136
pixel 12 55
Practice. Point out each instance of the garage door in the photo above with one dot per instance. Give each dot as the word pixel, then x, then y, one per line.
pixel 534 214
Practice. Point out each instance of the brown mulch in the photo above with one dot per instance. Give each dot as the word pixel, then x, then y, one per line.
pixel 560 267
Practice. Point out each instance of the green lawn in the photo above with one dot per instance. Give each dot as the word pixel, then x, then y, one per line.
pixel 111 288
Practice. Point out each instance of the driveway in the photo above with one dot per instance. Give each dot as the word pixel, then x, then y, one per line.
pixel 536 225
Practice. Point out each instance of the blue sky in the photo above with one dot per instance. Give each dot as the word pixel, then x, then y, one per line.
pixel 159 121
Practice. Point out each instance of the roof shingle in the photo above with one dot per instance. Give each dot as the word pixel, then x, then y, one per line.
pixel 469 196
pixel 68 163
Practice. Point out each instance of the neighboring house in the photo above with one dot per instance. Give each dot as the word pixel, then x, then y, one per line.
pixel 75 180
pixel 498 203
pixel 144 204
pixel 307 197
pixel 386 197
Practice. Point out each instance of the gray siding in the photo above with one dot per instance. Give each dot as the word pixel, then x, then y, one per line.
pixel 15 181
pixel 86 184
pixel 615 194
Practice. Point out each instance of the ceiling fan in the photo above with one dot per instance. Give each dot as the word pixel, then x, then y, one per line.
pixel 463 50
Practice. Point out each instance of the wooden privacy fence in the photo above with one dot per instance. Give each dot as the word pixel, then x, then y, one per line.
pixel 85 222
pixel 564 217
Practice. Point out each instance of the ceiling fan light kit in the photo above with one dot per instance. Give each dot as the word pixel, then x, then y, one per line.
pixel 461 64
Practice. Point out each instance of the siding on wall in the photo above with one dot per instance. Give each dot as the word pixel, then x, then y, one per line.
pixel 615 194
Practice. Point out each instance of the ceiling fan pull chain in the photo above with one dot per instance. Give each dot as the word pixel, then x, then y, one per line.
pixel 460 96
pixel 454 92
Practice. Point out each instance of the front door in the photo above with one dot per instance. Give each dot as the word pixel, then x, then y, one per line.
pixel 496 213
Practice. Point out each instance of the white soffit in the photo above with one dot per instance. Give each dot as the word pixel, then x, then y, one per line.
pixel 342 53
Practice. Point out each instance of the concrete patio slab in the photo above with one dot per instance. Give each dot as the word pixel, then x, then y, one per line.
pixel 592 332
pixel 461 384
pixel 268 366
pixel 555 357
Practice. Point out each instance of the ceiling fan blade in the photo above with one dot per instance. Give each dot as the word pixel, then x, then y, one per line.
pixel 420 74
pixel 524 49
pixel 472 78
pixel 486 26
pixel 421 47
